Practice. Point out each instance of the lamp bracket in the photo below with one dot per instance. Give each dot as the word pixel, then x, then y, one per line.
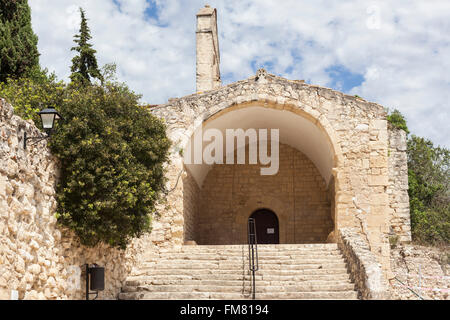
pixel 35 139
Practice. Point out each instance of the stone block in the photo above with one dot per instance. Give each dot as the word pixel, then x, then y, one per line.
pixel 378 180
pixel 378 162
pixel 379 199
pixel 377 124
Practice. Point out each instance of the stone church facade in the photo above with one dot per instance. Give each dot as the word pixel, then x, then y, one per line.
pixel 341 164
pixel 341 187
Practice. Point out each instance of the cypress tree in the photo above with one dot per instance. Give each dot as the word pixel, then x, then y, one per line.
pixel 84 65
pixel 18 43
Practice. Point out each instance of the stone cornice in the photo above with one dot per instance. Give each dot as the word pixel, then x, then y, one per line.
pixel 271 79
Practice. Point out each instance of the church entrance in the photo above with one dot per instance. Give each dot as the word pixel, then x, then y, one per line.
pixel 267 231
pixel 220 196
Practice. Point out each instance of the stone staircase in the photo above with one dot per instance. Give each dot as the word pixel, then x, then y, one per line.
pixel 301 271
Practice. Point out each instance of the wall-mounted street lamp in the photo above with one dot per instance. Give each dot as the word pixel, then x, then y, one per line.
pixel 95 280
pixel 48 118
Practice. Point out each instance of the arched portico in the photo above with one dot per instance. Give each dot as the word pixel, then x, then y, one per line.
pixel 300 193
pixel 352 131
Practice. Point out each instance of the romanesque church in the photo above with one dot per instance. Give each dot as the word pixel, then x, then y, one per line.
pixel 303 208
pixel 339 193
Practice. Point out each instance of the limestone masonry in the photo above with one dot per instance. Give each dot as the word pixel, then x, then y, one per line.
pixel 341 187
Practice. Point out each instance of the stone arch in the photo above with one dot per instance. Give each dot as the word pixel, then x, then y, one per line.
pixel 317 119
pixel 296 107
pixel 354 128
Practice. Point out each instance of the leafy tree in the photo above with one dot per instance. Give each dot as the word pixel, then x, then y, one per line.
pixel 428 176
pixel 428 179
pixel 111 152
pixel 28 95
pixel 84 64
pixel 18 43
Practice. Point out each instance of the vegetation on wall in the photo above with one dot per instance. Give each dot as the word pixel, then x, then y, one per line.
pixel 396 119
pixel 111 152
pixel 30 94
pixel 18 43
pixel 428 180
pixel 429 195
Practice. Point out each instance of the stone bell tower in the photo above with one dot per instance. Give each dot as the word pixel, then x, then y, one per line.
pixel 208 56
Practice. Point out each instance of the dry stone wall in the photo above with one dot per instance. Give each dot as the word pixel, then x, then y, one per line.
pixel 191 203
pixel 397 190
pixel 365 270
pixel 39 258
pixel 425 270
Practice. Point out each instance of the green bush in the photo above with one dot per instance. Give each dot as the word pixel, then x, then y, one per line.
pixel 31 94
pixel 397 120
pixel 111 153
pixel 429 197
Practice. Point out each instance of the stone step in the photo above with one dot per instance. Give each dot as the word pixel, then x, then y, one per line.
pixel 245 250
pixel 239 282
pixel 261 256
pixel 240 249
pixel 181 288
pixel 238 255
pixel 310 271
pixel 296 266
pixel 310 287
pixel 239 277
pixel 337 295
pixel 226 262
pixel 239 266
pixel 183 296
pixel 265 246
pixel 281 272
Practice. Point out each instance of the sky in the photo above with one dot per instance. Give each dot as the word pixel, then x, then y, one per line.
pixel 395 53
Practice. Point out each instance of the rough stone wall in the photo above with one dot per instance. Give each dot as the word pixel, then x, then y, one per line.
pixel 357 131
pixel 208 56
pixel 365 270
pixel 424 269
pixel 297 194
pixel 39 258
pixel 191 204
pixel 397 190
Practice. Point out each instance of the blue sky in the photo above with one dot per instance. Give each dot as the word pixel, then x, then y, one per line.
pixel 393 53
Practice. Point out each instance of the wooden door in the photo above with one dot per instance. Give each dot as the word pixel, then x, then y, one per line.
pixel 267 230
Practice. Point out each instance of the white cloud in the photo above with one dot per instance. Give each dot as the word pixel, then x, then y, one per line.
pixel 400 47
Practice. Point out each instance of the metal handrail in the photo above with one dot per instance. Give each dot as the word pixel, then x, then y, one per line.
pixel 407 287
pixel 252 252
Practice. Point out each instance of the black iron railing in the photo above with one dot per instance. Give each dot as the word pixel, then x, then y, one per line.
pixel 406 286
pixel 252 253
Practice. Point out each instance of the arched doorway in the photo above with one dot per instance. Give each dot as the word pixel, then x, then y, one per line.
pixel 216 195
pixel 267 228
